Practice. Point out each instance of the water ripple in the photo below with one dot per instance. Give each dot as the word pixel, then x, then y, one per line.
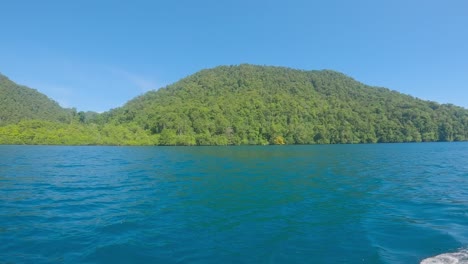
pixel 389 203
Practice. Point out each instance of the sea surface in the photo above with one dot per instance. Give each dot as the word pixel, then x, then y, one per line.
pixel 377 203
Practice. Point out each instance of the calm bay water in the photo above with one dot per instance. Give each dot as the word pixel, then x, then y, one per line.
pixel 384 203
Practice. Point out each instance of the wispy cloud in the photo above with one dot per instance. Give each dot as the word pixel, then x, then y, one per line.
pixel 89 86
pixel 61 94
pixel 144 84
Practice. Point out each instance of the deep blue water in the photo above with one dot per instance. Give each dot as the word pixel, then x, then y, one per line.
pixel 382 203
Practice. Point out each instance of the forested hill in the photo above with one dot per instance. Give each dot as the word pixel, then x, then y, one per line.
pixel 22 103
pixel 250 104
pixel 234 105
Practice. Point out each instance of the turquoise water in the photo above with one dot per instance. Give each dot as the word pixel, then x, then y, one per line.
pixel 383 203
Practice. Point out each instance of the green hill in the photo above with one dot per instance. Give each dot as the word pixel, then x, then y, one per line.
pixel 235 105
pixel 22 103
pixel 250 104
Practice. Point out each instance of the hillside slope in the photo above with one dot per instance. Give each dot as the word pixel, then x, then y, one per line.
pixel 22 103
pixel 250 104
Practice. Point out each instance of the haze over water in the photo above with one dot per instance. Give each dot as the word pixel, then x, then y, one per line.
pixel 380 203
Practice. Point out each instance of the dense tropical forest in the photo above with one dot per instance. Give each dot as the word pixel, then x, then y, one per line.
pixel 237 105
pixel 19 103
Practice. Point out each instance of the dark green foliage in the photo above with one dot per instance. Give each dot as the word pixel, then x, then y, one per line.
pixel 247 104
pixel 20 103
pixel 88 117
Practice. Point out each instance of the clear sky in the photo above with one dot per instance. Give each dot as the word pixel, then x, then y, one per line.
pixel 96 55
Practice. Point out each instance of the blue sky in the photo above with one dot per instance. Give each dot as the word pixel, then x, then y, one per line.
pixel 96 55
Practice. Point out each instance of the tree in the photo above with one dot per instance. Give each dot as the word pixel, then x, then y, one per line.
pixel 279 140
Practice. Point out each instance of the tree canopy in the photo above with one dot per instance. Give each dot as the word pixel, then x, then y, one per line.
pixel 21 103
pixel 248 104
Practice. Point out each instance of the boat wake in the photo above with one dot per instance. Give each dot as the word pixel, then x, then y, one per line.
pixel 460 257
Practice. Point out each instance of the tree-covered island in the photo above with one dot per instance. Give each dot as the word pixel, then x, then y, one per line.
pixel 237 105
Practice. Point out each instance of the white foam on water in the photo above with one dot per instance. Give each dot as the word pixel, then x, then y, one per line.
pixel 460 257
